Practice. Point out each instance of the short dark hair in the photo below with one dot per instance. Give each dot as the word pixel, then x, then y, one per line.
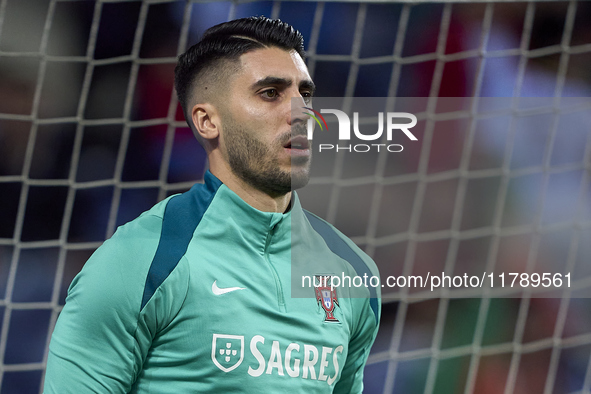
pixel 227 42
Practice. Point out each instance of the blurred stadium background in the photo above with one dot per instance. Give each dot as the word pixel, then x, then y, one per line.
pixel 91 136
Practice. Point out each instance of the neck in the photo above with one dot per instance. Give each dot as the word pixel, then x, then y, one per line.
pixel 251 195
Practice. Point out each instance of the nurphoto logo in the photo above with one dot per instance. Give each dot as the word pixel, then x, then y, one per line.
pixel 392 122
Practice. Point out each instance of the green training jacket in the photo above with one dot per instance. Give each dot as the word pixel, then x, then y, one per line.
pixel 203 294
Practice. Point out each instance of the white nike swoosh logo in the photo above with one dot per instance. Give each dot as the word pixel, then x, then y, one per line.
pixel 217 291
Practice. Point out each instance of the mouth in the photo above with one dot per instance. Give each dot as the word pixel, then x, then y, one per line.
pixel 298 147
pixel 298 143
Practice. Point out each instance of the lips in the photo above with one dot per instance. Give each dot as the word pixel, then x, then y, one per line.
pixel 299 142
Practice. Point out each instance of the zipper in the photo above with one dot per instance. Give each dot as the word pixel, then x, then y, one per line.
pixel 278 286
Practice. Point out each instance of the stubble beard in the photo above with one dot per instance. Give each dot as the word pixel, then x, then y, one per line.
pixel 255 163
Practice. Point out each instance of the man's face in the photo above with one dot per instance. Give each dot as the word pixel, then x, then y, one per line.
pixel 260 140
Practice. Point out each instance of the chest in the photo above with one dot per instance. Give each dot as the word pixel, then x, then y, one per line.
pixel 240 321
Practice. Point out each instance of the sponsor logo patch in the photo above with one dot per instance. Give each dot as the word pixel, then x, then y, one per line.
pixel 227 351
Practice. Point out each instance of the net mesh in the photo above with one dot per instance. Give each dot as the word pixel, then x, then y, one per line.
pixel 91 135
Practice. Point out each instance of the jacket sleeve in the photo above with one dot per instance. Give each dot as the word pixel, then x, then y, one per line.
pixel 100 341
pixel 367 303
pixel 351 380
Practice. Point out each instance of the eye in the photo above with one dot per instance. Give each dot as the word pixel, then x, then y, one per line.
pixel 307 96
pixel 270 93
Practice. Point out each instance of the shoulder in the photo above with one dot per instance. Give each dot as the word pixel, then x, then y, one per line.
pixel 117 269
pixel 341 245
pixel 155 242
pixel 132 243
pixel 361 265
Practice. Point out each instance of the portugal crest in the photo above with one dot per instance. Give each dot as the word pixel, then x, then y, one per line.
pixel 227 351
pixel 326 296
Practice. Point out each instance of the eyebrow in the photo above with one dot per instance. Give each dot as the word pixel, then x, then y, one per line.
pixel 283 82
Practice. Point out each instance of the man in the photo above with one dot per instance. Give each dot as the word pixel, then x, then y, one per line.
pixel 195 294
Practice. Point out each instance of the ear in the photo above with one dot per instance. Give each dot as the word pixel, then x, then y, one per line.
pixel 204 118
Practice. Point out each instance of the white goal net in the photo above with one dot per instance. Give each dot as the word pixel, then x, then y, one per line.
pixel 91 135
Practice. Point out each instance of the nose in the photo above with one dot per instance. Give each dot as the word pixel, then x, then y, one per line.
pixel 297 110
